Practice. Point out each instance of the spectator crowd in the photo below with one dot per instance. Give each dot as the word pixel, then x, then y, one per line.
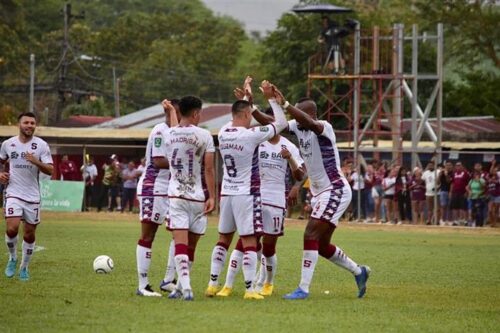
pixel 448 194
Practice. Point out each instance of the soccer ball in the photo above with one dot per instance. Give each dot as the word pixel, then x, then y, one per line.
pixel 103 265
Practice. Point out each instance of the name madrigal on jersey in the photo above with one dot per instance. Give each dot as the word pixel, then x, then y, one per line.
pixel 187 140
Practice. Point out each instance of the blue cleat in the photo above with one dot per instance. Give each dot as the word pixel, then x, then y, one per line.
pixel 10 270
pixel 168 286
pixel 296 294
pixel 361 280
pixel 175 294
pixel 187 295
pixel 24 275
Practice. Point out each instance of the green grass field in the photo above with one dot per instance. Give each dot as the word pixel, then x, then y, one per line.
pixel 423 279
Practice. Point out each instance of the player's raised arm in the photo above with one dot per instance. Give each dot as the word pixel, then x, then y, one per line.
pixel 280 121
pixel 168 107
pixel 305 115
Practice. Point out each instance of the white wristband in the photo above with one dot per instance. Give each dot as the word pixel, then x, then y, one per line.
pixel 285 105
pixel 254 108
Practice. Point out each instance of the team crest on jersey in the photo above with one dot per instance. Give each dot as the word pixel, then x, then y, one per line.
pixel 157 142
pixel 304 144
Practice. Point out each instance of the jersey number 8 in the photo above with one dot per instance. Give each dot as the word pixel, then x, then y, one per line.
pixel 230 166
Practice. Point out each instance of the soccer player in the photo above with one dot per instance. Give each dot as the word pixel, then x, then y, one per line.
pixel 191 190
pixel 330 190
pixel 240 205
pixel 276 158
pixel 152 193
pixel 26 155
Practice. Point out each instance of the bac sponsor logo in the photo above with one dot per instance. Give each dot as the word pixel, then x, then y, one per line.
pixel 264 154
pixel 14 155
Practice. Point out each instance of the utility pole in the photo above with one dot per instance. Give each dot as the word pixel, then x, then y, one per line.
pixel 62 85
pixel 32 83
pixel 116 90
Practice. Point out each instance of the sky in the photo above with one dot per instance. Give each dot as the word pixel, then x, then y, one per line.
pixel 256 15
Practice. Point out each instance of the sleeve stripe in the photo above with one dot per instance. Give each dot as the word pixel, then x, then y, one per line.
pixel 274 127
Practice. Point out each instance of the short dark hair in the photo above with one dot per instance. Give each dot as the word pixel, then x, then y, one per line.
pixel 26 114
pixel 304 99
pixel 239 105
pixel 188 104
pixel 175 101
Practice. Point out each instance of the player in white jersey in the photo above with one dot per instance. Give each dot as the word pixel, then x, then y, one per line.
pixel 330 189
pixel 191 191
pixel 277 157
pixel 152 192
pixel 240 206
pixel 26 156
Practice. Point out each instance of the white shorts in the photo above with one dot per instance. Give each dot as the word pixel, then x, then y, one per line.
pixel 29 212
pixel 187 215
pixel 329 206
pixel 153 209
pixel 242 213
pixel 273 219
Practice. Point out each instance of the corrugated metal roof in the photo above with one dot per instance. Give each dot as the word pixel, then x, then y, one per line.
pixel 453 145
pixel 81 133
pixel 82 121
pixel 484 124
pixel 213 117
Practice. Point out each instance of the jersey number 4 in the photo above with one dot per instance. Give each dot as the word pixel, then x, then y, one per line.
pixel 176 162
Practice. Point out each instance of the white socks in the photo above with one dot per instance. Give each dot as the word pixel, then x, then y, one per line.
pixel 271 264
pixel 309 260
pixel 249 268
pixel 341 259
pixel 11 246
pixel 170 272
pixel 28 249
pixel 143 256
pixel 233 268
pixel 182 267
pixel 218 259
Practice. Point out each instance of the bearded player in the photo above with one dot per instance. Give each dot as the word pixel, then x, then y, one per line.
pixel 26 155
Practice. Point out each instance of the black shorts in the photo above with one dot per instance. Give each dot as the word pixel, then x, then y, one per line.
pixel 389 196
pixel 458 201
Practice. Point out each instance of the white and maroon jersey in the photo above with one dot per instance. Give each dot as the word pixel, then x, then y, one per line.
pixel 186 148
pixel 154 181
pixel 321 157
pixel 274 170
pixel 239 150
pixel 23 175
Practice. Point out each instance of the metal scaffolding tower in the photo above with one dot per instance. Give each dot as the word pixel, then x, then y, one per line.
pixel 370 95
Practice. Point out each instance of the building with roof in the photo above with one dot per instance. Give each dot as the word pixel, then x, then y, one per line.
pixel 213 117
